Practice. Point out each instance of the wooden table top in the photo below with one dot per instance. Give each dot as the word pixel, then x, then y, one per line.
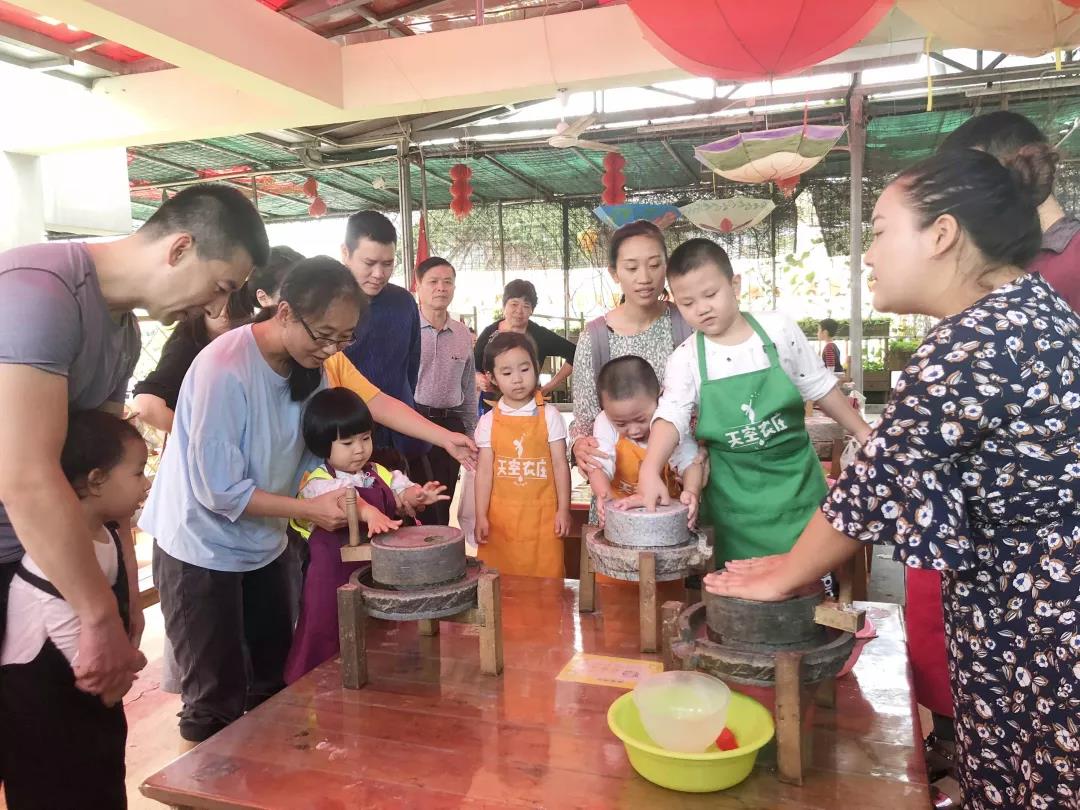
pixel 430 731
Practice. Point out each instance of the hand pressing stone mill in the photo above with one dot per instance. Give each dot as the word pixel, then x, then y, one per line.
pixel 777 652
pixel 419 573
pixel 643 547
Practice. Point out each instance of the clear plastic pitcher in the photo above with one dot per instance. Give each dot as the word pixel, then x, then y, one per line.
pixel 682 711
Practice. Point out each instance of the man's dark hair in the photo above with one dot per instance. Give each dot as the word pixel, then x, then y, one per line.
pixel 332 414
pixel 829 327
pixel 519 288
pixel 369 225
pixel 219 218
pixel 429 264
pixel 626 377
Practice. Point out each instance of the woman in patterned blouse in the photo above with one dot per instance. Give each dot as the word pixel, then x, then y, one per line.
pixel 974 471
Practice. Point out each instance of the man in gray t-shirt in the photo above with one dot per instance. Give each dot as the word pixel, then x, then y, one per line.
pixel 69 340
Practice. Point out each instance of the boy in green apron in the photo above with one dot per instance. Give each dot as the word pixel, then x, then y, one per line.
pixel 748 378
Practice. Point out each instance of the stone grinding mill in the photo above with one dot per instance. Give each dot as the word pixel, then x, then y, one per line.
pixel 643 547
pixel 419 573
pixel 777 651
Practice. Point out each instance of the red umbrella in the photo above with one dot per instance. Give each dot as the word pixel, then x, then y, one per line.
pixel 737 39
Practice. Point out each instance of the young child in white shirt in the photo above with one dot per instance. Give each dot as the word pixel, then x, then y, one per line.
pixel 748 377
pixel 63 747
pixel 629 394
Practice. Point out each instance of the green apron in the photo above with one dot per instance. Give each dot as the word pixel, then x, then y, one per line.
pixel 765 480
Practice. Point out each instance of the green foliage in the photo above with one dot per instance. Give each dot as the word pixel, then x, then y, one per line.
pixel 872 327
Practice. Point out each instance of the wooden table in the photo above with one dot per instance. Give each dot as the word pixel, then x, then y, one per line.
pixel 431 732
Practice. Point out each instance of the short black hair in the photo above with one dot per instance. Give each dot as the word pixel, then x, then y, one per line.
pixel 95 441
pixel 520 288
pixel 332 414
pixel 695 253
pixel 269 276
pixel 502 342
pixel 430 264
pixel 219 218
pixel 626 377
pixel 829 326
pixel 369 225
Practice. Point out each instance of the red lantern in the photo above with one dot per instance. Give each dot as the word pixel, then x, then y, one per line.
pixel 736 39
pixel 317 207
pixel 311 187
pixel 614 179
pixel 460 190
pixel 788 185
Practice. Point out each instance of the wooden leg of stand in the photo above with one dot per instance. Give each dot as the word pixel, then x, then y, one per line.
pixel 352 634
pixel 789 742
pixel 647 600
pixel 587 583
pixel 669 614
pixel 429 627
pixel 860 578
pixel 825 696
pixel 489 603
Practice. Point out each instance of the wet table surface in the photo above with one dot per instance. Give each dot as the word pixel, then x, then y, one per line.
pixel 430 731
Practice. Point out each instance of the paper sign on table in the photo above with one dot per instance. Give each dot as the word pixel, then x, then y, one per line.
pixel 605 670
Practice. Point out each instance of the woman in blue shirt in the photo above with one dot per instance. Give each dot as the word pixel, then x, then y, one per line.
pixel 224 494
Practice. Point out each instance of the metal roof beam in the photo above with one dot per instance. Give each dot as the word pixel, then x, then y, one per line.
pixel 548 192
pixel 22 36
pixel 944 60
pixel 383 19
pixel 315 11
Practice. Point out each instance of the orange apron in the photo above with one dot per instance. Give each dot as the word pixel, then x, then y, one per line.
pixel 628 459
pixel 521 513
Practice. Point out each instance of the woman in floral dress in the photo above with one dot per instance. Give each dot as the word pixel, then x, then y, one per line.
pixel 974 471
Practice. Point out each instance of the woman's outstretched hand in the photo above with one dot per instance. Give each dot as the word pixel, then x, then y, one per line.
pixel 754 579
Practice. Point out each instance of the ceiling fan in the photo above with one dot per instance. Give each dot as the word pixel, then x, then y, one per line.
pixel 568 136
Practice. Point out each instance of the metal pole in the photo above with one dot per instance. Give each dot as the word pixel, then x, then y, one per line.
pixel 857 143
pixel 502 246
pixel 772 250
pixel 405 208
pixel 566 267
pixel 423 190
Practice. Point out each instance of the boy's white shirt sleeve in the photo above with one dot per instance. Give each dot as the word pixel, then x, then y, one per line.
pixel 684 454
pixel 606 438
pixel 800 362
pixel 682 387
pixel 482 436
pixel 556 425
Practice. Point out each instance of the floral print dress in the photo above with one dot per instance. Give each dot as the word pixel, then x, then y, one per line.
pixel 975 471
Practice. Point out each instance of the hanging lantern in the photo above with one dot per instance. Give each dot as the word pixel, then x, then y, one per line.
pixel 317 207
pixel 1030 28
pixel 614 180
pixel 460 190
pixel 770 156
pixel 735 39
pixel 311 188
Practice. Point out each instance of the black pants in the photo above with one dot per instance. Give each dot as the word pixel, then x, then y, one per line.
pixel 62 747
pixel 437 465
pixel 209 617
pixel 7 571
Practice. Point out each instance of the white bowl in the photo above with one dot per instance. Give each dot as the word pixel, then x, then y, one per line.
pixel 682 711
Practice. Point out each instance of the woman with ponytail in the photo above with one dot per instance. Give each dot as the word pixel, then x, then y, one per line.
pixel 225 491
pixel 974 471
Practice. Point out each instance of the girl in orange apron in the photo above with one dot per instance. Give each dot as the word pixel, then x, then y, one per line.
pixel 523 478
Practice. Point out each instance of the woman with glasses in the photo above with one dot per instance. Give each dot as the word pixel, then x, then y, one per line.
pixel 224 494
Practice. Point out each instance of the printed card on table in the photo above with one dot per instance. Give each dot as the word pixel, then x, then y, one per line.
pixel 605 670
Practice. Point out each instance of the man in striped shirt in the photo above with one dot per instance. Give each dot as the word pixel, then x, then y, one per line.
pixel 446 386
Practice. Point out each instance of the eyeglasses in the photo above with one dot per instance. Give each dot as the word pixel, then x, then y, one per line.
pixel 323 341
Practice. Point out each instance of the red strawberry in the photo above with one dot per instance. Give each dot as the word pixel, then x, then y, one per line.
pixel 726 741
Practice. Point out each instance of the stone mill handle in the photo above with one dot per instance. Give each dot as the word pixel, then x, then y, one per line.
pixel 352 516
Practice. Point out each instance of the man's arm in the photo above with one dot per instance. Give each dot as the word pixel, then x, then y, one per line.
pixel 153 411
pixel 48 520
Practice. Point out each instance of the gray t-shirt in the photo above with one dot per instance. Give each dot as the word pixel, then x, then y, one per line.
pixel 53 317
